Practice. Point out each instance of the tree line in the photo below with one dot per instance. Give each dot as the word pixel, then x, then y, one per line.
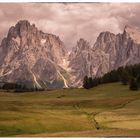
pixel 17 87
pixel 126 75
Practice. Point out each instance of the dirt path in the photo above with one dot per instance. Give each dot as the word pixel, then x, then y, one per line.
pixel 92 116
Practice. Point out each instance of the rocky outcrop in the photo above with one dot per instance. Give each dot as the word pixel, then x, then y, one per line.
pixel 109 52
pixel 28 55
pixel 84 60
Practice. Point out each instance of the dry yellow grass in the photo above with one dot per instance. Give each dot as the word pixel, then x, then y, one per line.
pixel 106 110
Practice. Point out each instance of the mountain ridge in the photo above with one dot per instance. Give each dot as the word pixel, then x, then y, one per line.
pixel 40 60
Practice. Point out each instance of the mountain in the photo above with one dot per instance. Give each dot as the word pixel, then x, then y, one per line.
pixel 36 59
pixel 33 58
pixel 109 52
pixel 86 61
pixel 122 49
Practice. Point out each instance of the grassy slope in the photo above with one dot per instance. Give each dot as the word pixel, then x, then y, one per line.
pixel 71 112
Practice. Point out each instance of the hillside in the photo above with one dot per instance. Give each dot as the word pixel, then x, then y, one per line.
pixel 100 111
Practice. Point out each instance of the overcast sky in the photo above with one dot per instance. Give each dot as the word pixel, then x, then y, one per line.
pixel 71 21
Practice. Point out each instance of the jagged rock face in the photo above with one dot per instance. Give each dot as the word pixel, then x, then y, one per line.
pixel 128 47
pixel 86 61
pixel 123 49
pixel 29 55
pixel 78 61
pixel 109 52
pixel 106 43
pixel 40 60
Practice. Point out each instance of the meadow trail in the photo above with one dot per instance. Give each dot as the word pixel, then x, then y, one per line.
pixel 92 116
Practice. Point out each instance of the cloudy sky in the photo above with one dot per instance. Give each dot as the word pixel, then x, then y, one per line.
pixel 71 21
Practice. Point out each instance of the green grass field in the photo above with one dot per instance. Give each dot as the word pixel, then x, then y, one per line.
pixel 106 110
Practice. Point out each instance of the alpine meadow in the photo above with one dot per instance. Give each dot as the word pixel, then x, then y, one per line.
pixel 69 70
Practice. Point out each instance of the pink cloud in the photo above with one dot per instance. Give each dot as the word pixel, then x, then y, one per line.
pixel 71 21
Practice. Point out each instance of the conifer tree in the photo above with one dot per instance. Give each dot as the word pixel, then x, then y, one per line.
pixel 90 82
pixel 133 84
pixel 124 77
pixel 85 83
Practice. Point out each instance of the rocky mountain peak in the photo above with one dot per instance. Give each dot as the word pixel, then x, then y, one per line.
pixel 30 55
pixel 23 23
pixel 20 29
pixel 127 28
pixel 132 32
pixel 103 40
pixel 82 45
pixel 105 36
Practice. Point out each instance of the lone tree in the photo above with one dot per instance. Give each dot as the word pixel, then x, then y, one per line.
pixel 133 84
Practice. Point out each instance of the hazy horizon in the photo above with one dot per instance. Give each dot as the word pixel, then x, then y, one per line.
pixel 71 21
